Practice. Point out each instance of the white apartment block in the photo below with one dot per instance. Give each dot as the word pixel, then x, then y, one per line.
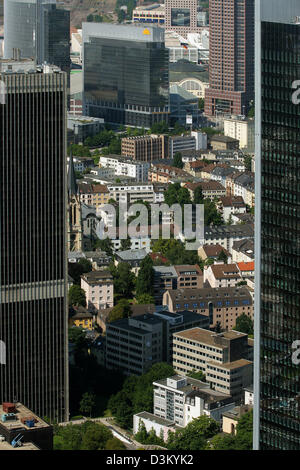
pixel 126 167
pixel 177 401
pixel 131 193
pixel 237 129
pixel 99 289
pixel 222 275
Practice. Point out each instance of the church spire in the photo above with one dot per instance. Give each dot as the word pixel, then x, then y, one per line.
pixel 72 185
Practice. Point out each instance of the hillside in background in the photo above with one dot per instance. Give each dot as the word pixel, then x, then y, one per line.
pixel 80 9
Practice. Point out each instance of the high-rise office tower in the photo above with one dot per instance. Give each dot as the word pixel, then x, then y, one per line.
pixel 126 74
pixel 231 57
pixel 277 212
pixel 183 17
pixel 39 29
pixel 33 310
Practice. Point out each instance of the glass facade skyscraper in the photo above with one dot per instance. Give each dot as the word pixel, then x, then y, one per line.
pixel 39 29
pixel 33 280
pixel 277 208
pixel 126 74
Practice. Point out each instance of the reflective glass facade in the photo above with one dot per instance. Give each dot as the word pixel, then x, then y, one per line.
pixel 279 310
pixel 33 323
pixel 126 82
pixel 39 29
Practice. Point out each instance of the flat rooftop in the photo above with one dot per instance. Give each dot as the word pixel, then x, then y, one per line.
pixel 26 446
pixel 203 336
pixel 21 412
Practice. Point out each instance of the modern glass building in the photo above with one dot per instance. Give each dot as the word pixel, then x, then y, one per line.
pixel 126 74
pixel 39 29
pixel 277 209
pixel 33 280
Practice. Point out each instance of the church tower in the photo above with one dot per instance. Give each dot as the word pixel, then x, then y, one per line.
pixel 74 211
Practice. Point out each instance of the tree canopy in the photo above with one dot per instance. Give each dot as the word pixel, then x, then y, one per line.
pixel 137 394
pixel 244 324
pixel 194 436
pixel 77 296
pixel 121 310
pixel 145 278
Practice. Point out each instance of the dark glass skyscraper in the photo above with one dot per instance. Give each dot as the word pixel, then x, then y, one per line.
pixel 33 318
pixel 126 74
pixel 39 29
pixel 277 209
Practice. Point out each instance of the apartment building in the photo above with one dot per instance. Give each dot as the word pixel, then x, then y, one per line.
pixel 93 194
pixel 161 173
pixel 146 148
pixel 126 167
pixel 213 252
pixel 130 193
pixel 223 142
pixel 181 399
pixel 165 278
pixel 243 250
pixel 226 235
pixel 210 189
pixel 81 163
pixel 222 275
pixel 222 357
pixel 239 129
pixel 222 304
pixel 230 205
pixel 179 143
pixel 99 289
pixel 173 277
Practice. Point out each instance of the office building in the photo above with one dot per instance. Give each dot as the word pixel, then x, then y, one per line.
pixel 231 57
pixel 277 251
pixel 184 17
pixel 134 344
pixel 126 74
pixel 33 280
pixel 149 14
pixel 39 29
pixel 223 305
pixel 222 357
pixel 146 148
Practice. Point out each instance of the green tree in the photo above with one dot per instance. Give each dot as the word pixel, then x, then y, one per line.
pixel 198 195
pixel 77 296
pixel 124 280
pixel 90 18
pixel 223 442
pixel 145 278
pixel 211 215
pixel 121 310
pixel 244 432
pixel 114 444
pixel 104 245
pixel 159 128
pixel 126 244
pixel 87 403
pixel 248 162
pixel 194 436
pixel 177 160
pixel 197 374
pixel 201 104
pixel 223 257
pixel 244 324
pixel 145 299
pixel 95 438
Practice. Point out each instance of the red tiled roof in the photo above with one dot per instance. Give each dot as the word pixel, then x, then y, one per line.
pixel 246 266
